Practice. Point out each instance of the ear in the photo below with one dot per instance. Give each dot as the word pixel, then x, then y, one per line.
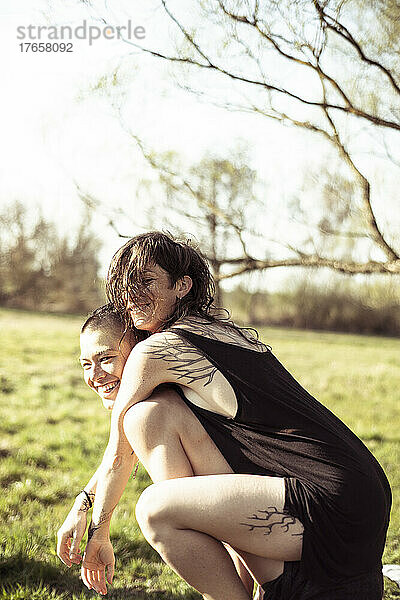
pixel 183 286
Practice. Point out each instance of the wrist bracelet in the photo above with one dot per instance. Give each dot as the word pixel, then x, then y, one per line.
pixel 88 498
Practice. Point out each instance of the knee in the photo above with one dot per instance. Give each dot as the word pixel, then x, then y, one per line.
pixel 154 514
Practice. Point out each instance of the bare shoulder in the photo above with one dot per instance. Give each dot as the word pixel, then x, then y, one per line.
pixel 222 331
pixel 155 348
pixel 158 344
pixel 146 353
pixel 183 362
pixel 168 346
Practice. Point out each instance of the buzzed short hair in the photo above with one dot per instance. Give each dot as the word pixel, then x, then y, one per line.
pixel 104 317
pixel 107 317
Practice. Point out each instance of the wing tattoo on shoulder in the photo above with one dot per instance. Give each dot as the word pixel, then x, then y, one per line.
pixel 187 362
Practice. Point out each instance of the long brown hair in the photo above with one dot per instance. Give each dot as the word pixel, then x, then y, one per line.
pixel 126 277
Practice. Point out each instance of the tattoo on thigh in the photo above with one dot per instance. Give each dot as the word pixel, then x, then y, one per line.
pixel 275 519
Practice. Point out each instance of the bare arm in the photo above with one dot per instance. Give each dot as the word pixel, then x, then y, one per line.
pixel 81 502
pixel 113 477
pixel 162 358
pixel 142 374
pixel 71 532
pixel 90 488
pixel 73 529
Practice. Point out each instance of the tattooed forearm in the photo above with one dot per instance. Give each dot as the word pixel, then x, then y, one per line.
pixel 92 529
pixel 104 517
pixel 275 519
pixel 187 363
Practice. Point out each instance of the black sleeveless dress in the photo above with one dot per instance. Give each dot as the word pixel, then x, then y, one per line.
pixel 334 485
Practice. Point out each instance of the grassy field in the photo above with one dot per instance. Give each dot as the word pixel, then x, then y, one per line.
pixel 53 432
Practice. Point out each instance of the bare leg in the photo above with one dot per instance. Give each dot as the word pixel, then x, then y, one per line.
pixel 171 443
pixel 184 519
pixel 200 560
pixel 169 440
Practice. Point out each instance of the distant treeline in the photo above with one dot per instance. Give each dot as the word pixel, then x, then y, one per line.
pixel 43 270
pixel 340 305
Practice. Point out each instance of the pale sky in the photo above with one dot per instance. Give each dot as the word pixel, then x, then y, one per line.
pixel 55 129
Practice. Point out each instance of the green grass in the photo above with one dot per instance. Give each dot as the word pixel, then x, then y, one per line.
pixel 53 432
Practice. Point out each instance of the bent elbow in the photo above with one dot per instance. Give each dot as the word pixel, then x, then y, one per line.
pixel 114 463
pixel 117 462
pixel 119 411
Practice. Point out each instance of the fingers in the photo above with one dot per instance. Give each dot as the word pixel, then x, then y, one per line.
pixel 101 583
pixel 94 580
pixel 63 545
pixel 110 573
pixel 85 578
pixel 68 551
pixel 96 560
pixel 74 553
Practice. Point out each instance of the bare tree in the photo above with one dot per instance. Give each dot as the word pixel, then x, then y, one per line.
pixel 328 67
pixel 214 200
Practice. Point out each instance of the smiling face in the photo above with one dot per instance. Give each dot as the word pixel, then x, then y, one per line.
pixel 155 305
pixel 103 359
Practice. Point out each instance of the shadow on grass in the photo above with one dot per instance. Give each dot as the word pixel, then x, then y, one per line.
pixel 19 569
pixel 11 428
pixel 28 575
pixel 6 452
pixel 142 594
pixel 126 548
pixel 22 572
pixel 377 437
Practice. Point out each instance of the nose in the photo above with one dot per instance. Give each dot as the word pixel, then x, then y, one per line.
pixel 96 373
pixel 130 304
pixel 136 300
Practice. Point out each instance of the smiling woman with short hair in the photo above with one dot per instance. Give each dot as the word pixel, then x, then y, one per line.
pixel 105 346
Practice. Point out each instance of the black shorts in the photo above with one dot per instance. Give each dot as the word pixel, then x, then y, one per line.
pixel 292 586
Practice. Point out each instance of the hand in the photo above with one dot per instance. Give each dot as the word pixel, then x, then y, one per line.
pixel 98 556
pixel 69 537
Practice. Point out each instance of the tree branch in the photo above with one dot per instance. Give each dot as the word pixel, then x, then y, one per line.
pixel 348 109
pixel 95 205
pixel 184 184
pixel 246 265
pixel 345 34
pixel 210 65
pixel 365 187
